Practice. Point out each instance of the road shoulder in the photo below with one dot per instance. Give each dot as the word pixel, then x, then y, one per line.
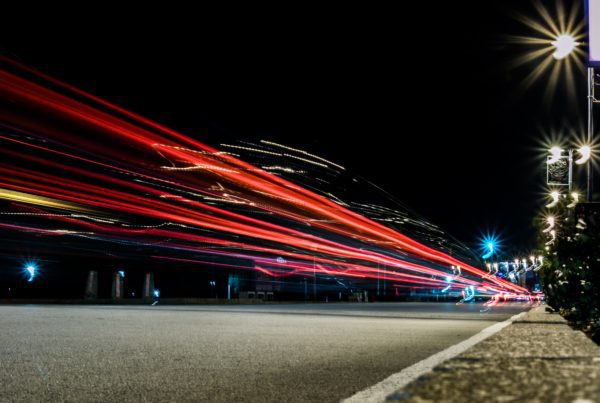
pixel 537 358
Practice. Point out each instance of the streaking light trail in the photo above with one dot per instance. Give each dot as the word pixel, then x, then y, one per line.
pixel 92 176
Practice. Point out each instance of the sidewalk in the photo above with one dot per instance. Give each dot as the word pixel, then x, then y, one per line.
pixel 538 358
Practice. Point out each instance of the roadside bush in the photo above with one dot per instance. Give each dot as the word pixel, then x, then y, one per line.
pixel 571 271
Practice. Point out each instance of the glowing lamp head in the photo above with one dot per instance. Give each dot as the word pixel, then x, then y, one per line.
pixel 489 246
pixel 156 293
pixel 555 195
pixel 555 154
pixel 31 270
pixel 564 44
pixel 585 152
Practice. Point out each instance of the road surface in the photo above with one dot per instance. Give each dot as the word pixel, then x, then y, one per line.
pixel 283 353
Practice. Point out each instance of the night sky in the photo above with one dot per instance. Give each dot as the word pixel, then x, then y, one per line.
pixel 418 99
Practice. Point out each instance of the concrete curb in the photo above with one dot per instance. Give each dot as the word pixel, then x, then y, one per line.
pixel 538 358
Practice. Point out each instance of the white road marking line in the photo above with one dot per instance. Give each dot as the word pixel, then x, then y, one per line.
pixel 380 391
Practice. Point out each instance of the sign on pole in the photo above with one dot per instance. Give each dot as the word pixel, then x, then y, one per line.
pixel 559 173
pixel 592 17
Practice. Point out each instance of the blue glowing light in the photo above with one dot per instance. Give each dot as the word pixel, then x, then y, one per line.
pixel 469 293
pixel 489 246
pixel 490 250
pixel 448 279
pixel 156 293
pixel 122 273
pixel 31 271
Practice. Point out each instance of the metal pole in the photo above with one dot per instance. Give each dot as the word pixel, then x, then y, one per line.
pixel 377 278
pixel 570 170
pixel 590 130
pixel 384 280
pixel 314 278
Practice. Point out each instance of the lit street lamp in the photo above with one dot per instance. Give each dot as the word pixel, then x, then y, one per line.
pixel 564 44
pixel 555 195
pixel 31 270
pixel 575 197
pixel 555 155
pixel 550 221
pixel 585 152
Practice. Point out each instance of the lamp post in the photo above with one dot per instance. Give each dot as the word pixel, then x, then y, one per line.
pixel 592 18
pixel 590 129
pixel 565 45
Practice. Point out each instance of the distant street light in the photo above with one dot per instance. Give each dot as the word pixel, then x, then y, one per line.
pixel 555 155
pixel 31 270
pixel 490 250
pixel 575 197
pixel 555 198
pixel 550 221
pixel 585 152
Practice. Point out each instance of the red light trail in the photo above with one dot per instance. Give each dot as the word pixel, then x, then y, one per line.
pixel 84 168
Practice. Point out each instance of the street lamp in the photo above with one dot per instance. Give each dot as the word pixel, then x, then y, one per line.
pixel 489 246
pixel 31 270
pixel 555 195
pixel 564 44
pixel 555 155
pixel 575 197
pixel 562 41
pixel 585 152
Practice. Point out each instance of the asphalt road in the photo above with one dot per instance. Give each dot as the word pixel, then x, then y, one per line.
pixel 287 353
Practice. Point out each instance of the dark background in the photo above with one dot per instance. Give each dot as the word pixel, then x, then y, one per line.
pixel 418 98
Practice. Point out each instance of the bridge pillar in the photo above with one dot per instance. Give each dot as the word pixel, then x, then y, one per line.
pixel 91 286
pixel 148 290
pixel 117 286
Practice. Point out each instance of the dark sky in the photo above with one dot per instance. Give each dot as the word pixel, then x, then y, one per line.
pixel 418 98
